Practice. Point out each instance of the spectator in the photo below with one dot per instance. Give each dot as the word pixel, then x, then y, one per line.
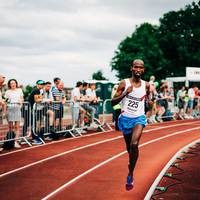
pixel 186 100
pixel 85 104
pixel 171 99
pixel 94 100
pixel 14 97
pixel 60 99
pixel 152 79
pixel 36 97
pixel 151 108
pixel 166 97
pixel 191 95
pixel 48 99
pixel 56 81
pixel 75 106
pixel 3 89
pixel 180 101
pixel 196 101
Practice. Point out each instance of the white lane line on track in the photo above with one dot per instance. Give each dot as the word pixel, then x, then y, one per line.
pixel 166 167
pixel 58 155
pixel 70 151
pixel 110 159
pixel 53 142
pixel 93 134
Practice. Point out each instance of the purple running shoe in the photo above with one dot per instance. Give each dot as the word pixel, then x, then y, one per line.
pixel 129 183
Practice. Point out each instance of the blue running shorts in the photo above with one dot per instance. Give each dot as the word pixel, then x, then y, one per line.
pixel 126 124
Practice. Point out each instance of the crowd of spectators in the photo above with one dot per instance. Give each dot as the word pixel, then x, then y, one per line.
pixel 170 105
pixel 47 99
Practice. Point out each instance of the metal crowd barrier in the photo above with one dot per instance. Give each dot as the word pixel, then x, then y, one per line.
pixel 20 113
pixel 173 112
pixel 48 118
pixel 107 113
pixel 99 124
pixel 62 118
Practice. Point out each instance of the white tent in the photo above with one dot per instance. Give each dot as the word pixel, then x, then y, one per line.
pixel 192 74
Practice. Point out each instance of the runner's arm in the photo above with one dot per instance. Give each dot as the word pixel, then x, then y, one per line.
pixel 119 95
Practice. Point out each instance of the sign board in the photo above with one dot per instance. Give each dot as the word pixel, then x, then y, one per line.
pixel 193 73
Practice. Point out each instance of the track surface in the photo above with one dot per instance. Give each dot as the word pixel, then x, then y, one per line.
pixel 92 166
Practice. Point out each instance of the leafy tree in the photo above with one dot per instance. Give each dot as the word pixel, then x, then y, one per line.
pixel 142 44
pixel 98 76
pixel 166 49
pixel 27 90
pixel 179 38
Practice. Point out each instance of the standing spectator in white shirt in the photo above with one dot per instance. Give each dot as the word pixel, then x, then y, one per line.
pixel 191 95
pixel 75 106
pixel 14 97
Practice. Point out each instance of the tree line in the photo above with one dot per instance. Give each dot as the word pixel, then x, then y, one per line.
pixel 166 48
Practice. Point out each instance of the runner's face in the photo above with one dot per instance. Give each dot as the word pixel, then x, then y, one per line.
pixel 137 70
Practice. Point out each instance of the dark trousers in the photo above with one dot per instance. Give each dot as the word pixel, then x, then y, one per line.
pixel 116 114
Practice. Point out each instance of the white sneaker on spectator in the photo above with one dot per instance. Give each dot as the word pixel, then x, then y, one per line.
pixel 74 126
pixel 186 116
pixel 93 125
pixel 82 124
pixel 153 119
pixel 83 131
pixel 48 138
pixel 159 119
pixel 17 145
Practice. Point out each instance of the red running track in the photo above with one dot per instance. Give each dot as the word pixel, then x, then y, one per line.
pixel 93 166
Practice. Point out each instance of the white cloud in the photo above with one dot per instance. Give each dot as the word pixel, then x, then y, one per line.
pixel 72 39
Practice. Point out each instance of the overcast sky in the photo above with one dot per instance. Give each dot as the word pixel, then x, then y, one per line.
pixel 71 39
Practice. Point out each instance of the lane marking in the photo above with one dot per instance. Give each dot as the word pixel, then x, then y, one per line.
pixel 92 134
pixel 70 151
pixel 58 155
pixel 53 142
pixel 166 167
pixel 110 159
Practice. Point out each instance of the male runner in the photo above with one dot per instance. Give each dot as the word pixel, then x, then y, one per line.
pixel 131 94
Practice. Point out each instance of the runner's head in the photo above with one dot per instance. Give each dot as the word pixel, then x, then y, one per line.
pixel 137 68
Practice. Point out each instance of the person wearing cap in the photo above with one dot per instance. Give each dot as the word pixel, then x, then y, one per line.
pixel 36 96
pixel 36 93
pixel 131 94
